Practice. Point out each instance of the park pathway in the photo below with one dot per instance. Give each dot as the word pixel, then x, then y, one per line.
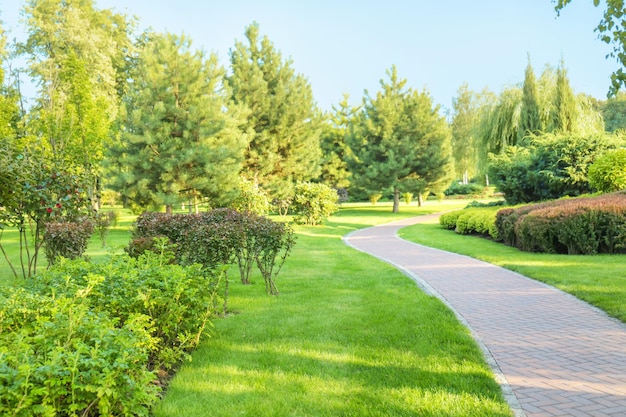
pixel 552 354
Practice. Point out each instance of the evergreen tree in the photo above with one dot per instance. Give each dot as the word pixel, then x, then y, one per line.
pixel 400 142
pixel 284 120
pixel 180 137
pixel 333 144
pixel 614 112
pixel 530 118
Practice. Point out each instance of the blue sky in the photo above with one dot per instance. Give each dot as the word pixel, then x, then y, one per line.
pixel 346 46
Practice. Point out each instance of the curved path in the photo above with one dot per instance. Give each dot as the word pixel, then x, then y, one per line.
pixel 553 354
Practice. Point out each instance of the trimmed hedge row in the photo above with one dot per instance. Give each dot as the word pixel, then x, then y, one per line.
pixel 220 237
pixel 473 220
pixel 586 225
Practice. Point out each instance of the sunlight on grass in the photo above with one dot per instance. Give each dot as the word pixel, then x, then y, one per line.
pixel 598 279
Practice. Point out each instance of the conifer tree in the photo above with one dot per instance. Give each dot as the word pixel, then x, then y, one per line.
pixel 400 142
pixel 180 136
pixel 284 120
pixel 333 144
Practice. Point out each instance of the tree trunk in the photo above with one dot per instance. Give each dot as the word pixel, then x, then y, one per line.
pixel 396 199
pixel 420 199
pixel 168 209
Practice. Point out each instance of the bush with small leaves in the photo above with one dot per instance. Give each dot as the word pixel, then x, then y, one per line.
pixel 608 172
pixel 314 202
pixel 66 239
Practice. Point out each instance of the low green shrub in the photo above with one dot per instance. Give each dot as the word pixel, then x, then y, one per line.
pixel 178 301
pixel 314 202
pixel 480 220
pixel 608 172
pixel 58 357
pixel 66 239
pixel 457 188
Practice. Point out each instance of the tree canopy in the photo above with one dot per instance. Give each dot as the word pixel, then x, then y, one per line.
pixel 180 136
pixel 399 141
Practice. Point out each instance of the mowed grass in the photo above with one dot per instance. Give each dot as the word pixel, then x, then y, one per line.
pixel 348 336
pixel 597 279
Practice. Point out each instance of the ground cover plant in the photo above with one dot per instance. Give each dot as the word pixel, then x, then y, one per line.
pixel 348 336
pixel 599 279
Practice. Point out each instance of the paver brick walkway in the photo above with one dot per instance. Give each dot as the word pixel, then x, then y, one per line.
pixel 553 354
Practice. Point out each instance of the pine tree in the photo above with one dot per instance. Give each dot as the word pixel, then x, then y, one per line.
pixel 400 142
pixel 180 137
pixel 284 120
pixel 333 144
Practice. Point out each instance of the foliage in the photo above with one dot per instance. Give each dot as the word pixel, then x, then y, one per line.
pixel 334 168
pixel 180 136
pixel 474 220
pixel 458 188
pixel 465 147
pixel 407 197
pixel 102 223
pixel 551 166
pixel 313 203
pixel 177 302
pixel 39 193
pixel 400 142
pixel 59 357
pixel 250 198
pixel 66 239
pixel 216 238
pixel 575 226
pixel 530 117
pixel 608 172
pixel 611 30
pixel 614 112
pixel 374 197
pixel 283 119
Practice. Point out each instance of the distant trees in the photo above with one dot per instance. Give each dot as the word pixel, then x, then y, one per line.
pixel 399 141
pixel 180 136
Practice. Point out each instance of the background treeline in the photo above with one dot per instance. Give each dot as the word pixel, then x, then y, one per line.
pixel 157 123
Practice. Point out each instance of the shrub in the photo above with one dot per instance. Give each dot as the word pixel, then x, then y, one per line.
pixel 608 172
pixel 375 197
pixel 178 301
pixel 102 223
pixel 61 358
pixel 214 238
pixel 314 202
pixel 407 197
pixel 457 188
pixel 585 225
pixel 66 239
pixel 250 198
pixel 275 241
pixel 448 220
pixel 550 167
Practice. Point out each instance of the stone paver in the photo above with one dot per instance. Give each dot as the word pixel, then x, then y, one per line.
pixel 553 354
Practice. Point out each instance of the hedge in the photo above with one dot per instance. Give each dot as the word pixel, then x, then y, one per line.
pixel 473 220
pixel 585 225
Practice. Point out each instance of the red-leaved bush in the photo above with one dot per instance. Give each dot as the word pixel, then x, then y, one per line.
pixel 586 225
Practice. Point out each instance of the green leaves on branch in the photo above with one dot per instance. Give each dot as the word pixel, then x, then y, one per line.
pixel 313 203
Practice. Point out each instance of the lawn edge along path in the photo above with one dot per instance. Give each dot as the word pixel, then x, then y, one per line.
pixel 542 344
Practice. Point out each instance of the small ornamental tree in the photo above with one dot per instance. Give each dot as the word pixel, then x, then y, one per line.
pixel 250 198
pixel 608 172
pixel 314 202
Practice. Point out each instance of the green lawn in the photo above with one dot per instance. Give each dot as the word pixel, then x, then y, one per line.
pixel 597 279
pixel 348 336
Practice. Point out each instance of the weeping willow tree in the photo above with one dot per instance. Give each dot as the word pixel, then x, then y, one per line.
pixel 505 121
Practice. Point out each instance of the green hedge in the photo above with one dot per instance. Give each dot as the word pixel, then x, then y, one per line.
pixel 585 225
pixel 473 220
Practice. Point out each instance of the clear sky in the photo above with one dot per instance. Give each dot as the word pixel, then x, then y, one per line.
pixel 345 46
